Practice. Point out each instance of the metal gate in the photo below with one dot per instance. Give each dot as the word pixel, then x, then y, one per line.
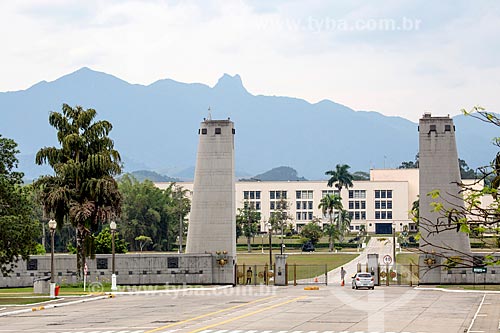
pixel 254 274
pixel 398 275
pixel 307 274
pixel 294 274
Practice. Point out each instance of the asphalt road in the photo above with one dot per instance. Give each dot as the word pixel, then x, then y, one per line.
pixel 270 310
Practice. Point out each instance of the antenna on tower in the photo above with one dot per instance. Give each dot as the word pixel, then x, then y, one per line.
pixel 209 114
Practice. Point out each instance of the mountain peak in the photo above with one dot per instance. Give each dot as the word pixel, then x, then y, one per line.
pixel 228 83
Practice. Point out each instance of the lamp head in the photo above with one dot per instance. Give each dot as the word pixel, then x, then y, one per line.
pixel 112 226
pixel 52 225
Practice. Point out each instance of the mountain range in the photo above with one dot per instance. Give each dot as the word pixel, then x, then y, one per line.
pixel 156 125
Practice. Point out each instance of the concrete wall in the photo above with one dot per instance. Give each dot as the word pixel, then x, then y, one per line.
pixel 437 273
pixel 132 269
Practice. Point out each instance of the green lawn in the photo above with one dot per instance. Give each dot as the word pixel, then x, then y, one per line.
pixel 22 301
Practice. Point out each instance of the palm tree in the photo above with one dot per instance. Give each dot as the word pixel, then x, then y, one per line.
pixel 328 204
pixel 343 220
pixel 83 190
pixel 340 177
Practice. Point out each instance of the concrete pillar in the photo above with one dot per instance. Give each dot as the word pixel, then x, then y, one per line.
pixel 373 266
pixel 280 274
pixel 439 170
pixel 212 222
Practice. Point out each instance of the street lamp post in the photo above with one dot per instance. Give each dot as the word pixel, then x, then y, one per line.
pixel 262 246
pixel 52 227
pixel 394 246
pixel 112 226
pixel 270 247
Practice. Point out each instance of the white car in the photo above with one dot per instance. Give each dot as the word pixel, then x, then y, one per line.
pixel 363 280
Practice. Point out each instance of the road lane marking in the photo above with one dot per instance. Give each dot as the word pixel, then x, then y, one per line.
pixel 247 314
pixel 475 315
pixel 209 314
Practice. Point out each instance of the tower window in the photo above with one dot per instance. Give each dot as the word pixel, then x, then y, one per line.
pixel 447 128
pixel 203 131
pixel 433 128
pixel 218 130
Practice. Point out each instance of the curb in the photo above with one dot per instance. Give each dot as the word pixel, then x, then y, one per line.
pixel 39 308
pixel 458 291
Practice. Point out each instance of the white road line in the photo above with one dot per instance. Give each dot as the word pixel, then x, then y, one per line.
pixel 221 331
pixel 475 315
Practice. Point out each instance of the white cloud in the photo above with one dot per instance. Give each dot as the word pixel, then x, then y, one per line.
pixel 314 50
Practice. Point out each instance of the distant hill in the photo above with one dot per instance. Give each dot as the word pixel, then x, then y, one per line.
pixel 141 175
pixel 155 126
pixel 282 173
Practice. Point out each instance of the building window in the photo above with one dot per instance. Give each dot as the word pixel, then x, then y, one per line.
pixel 324 193
pixel 218 130
pixel 272 205
pixel 357 194
pixel 277 195
pixel 307 194
pixel 203 131
pixel 298 216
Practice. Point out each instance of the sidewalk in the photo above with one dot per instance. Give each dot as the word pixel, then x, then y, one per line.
pixel 380 245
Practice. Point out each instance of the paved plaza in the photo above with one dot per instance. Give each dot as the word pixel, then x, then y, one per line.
pixel 257 309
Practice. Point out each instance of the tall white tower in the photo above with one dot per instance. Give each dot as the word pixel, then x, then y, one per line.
pixel 439 170
pixel 212 222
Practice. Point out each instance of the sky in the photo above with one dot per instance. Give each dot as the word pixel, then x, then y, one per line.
pixel 400 58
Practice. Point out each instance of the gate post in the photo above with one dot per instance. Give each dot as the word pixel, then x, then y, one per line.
pixel 294 274
pixel 255 275
pixel 387 274
pixel 286 274
pixel 411 275
pixel 326 274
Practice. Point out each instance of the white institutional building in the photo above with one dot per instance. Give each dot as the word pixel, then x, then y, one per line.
pixel 381 203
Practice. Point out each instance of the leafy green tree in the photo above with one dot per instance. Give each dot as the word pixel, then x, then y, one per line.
pixel 153 212
pixel 179 208
pixel 143 241
pixel 104 242
pixel 360 175
pixel 82 189
pixel 280 217
pixel 410 164
pixel 328 204
pixel 248 219
pixel 465 171
pixel 18 229
pixel 340 177
pixel 311 231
